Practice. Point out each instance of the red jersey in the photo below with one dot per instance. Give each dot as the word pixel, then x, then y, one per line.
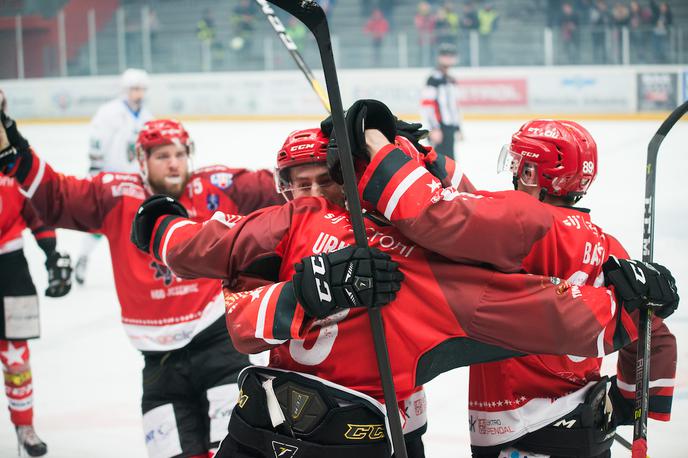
pixel 519 394
pixel 16 214
pixel 446 314
pixel 160 311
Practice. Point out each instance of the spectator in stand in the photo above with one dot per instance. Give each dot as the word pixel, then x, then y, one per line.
pixel 621 17
pixel 297 31
pixel 205 31
pixel 599 20
pixel 445 31
pixel 425 27
pixel 570 35
pixel 154 27
pixel 553 12
pixel 662 19
pixel 377 27
pixel 638 20
pixel 487 24
pixel 468 22
pixel 387 7
pixel 243 22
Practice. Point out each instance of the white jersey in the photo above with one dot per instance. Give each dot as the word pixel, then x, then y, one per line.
pixel 113 133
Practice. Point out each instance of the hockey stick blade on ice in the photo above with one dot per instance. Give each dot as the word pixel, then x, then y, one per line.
pixel 313 17
pixel 288 43
pixel 642 373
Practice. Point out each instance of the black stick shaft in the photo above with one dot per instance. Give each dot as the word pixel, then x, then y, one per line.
pixel 351 191
pixel 642 374
pixel 308 12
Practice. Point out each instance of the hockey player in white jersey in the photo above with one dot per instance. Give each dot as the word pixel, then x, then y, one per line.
pixel 112 136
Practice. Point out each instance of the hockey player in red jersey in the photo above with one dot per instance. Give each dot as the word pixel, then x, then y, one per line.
pixel 446 315
pixel 530 397
pixel 19 312
pixel 189 376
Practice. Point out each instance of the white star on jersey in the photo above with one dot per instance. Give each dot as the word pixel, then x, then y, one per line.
pixel 13 354
pixel 434 186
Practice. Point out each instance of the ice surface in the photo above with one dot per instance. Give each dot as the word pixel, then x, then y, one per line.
pixel 87 375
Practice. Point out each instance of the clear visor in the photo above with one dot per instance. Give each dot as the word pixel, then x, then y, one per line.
pixel 509 161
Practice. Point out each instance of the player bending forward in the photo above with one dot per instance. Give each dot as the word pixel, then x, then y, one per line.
pixel 313 318
pixel 189 376
pixel 548 405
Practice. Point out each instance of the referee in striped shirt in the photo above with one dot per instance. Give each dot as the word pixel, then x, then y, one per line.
pixel 439 104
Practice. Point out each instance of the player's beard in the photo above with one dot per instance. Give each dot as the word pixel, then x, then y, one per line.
pixel 169 186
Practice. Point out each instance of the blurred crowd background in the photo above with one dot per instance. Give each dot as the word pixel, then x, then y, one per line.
pixel 46 38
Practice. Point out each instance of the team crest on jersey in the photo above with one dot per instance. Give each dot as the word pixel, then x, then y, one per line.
pixel 161 271
pixel 222 180
pixel 212 202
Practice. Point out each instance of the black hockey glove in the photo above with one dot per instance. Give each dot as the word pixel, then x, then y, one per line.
pixel 59 268
pixel 622 408
pixel 350 277
pixel 147 215
pixel 414 132
pixel 13 147
pixel 641 284
pixel 362 115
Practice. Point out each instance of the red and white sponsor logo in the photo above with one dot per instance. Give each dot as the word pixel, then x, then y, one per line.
pixel 498 92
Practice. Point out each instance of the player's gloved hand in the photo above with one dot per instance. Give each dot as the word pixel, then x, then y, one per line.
pixel 413 131
pixel 350 277
pixel 13 147
pixel 364 114
pixel 642 284
pixel 622 408
pixel 147 215
pixel 59 267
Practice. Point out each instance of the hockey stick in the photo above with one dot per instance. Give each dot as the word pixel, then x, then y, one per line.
pixel 281 32
pixel 642 362
pixel 310 13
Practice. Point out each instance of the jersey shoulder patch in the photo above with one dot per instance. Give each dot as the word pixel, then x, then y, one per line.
pixel 122 184
pixel 218 176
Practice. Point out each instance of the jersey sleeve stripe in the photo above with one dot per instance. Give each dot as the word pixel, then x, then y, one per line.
pixel 405 184
pixel 44 232
pixel 457 175
pixel 36 180
pixel 159 233
pixel 175 226
pixel 262 312
pixel 393 160
pixel 660 404
pixel 662 382
pixel 284 312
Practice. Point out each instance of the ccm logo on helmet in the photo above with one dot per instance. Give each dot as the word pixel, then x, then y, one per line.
pixel 529 154
pixel 300 147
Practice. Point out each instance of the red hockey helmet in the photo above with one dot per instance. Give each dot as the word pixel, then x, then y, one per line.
pixel 558 156
pixel 307 146
pixel 162 132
